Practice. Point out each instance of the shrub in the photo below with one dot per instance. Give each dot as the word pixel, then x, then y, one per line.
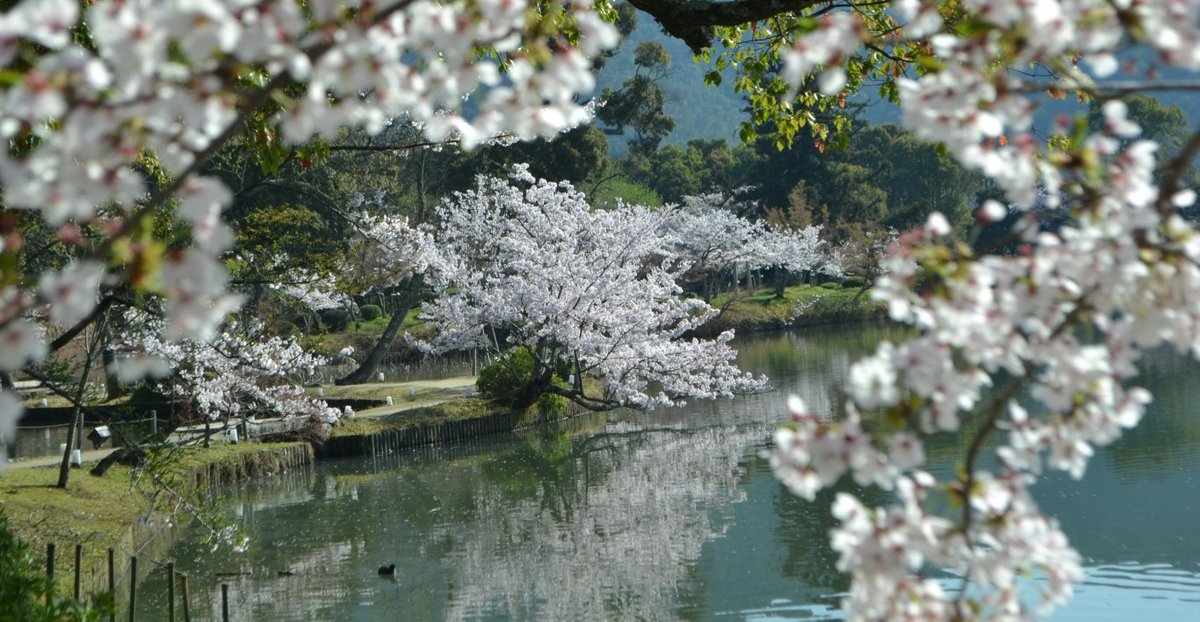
pixel 551 405
pixel 337 320
pixel 854 281
pixel 370 312
pixel 504 381
pixel 831 285
pixel 23 586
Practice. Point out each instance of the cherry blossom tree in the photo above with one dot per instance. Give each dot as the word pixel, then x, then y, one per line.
pixel 110 109
pixel 389 256
pixel 526 264
pixel 1033 353
pixel 239 373
pixel 714 239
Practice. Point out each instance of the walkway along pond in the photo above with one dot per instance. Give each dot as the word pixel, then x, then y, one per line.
pixel 671 514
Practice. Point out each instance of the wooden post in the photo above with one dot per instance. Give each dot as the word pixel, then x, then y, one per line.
pixel 78 567
pixel 49 572
pixel 171 591
pixel 112 587
pixel 132 587
pixel 187 607
pixel 224 602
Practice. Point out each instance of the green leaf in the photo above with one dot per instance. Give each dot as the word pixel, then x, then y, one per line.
pixel 929 63
pixel 747 134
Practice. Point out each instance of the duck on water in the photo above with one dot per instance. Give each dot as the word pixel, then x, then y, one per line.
pixel 388 570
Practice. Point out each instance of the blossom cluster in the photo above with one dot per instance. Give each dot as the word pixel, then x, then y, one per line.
pixel 1032 352
pixel 100 92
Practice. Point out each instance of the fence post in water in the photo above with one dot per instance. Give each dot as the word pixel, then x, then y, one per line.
pixel 78 567
pixel 112 587
pixel 132 587
pixel 187 607
pixel 171 591
pixel 49 572
pixel 225 602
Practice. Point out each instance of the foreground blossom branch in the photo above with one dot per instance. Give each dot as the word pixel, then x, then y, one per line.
pixel 1099 268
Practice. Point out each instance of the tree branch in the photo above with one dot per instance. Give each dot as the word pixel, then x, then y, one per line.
pixel 692 21
pixel 66 337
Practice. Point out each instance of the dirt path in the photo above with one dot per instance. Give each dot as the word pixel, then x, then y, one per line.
pixel 89 455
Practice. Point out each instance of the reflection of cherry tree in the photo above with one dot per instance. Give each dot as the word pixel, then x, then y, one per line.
pixel 620 544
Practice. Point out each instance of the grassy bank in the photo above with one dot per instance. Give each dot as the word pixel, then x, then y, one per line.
pixel 801 305
pixel 119 510
pixel 450 421
pixel 361 334
pixel 454 410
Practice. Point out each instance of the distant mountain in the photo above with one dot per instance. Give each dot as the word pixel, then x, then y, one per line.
pixel 702 111
pixel 699 111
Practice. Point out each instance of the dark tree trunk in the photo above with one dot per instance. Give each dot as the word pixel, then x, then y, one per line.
pixel 537 386
pixel 64 469
pixel 403 304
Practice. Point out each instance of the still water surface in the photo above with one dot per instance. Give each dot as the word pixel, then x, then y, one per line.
pixel 667 515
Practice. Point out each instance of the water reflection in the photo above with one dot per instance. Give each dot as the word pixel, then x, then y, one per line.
pixel 665 515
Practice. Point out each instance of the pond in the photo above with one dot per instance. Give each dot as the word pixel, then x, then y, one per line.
pixel 671 514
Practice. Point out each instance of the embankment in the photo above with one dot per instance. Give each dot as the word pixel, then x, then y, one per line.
pixel 123 510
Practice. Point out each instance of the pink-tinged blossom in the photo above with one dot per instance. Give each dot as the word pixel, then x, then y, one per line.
pixel 21 343
pixel 1057 328
pixel 72 293
pixel 155 82
pixel 10 412
pixel 238 372
pixel 906 451
pixel 709 237
pixel 201 202
pixel 839 36
pixel 136 368
pixel 872 381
